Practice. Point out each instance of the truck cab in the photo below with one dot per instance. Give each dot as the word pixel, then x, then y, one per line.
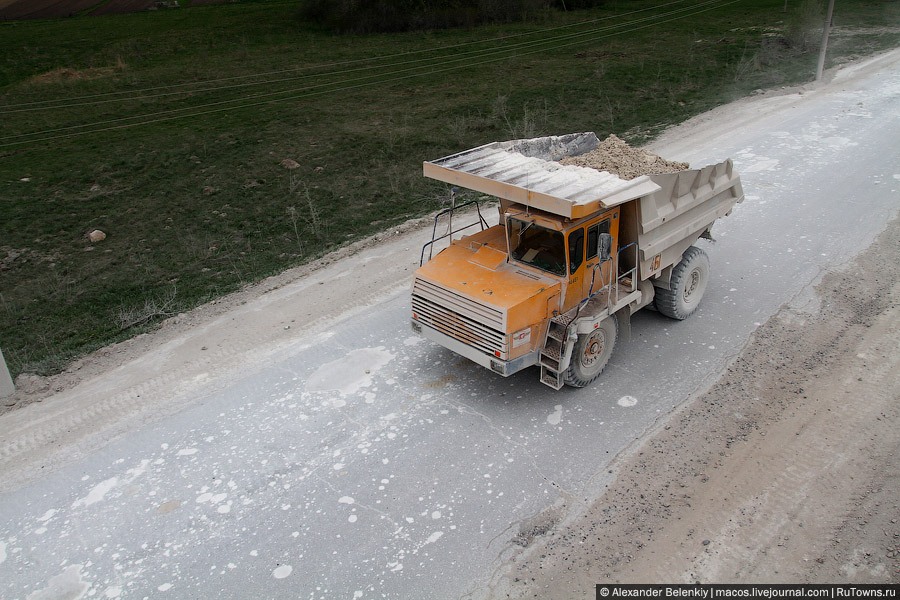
pixel 564 249
pixel 493 296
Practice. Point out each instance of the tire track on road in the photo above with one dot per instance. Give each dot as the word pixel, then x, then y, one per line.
pixel 44 435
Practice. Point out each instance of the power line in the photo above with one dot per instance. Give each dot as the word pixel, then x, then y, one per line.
pixel 309 93
pixel 326 91
pixel 465 57
pixel 68 102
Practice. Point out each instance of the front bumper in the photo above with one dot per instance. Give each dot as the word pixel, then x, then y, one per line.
pixel 503 367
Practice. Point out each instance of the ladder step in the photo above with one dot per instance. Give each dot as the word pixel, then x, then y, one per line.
pixel 556 331
pixel 553 348
pixel 562 320
pixel 549 362
pixel 551 378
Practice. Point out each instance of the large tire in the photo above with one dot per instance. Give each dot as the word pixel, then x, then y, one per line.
pixel 592 352
pixel 686 286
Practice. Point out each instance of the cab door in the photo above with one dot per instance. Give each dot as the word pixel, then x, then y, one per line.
pixel 576 267
pixel 585 278
pixel 595 279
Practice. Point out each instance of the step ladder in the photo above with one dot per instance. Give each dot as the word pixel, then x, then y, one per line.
pixel 552 361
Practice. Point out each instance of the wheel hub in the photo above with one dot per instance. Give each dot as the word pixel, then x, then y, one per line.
pixel 593 350
pixel 691 284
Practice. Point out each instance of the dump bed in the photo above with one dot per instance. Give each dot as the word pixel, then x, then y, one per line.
pixel 684 207
pixel 666 213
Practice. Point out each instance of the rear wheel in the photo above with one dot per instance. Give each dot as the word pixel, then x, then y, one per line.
pixel 591 353
pixel 686 286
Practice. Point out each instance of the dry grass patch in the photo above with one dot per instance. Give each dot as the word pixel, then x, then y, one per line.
pixel 66 74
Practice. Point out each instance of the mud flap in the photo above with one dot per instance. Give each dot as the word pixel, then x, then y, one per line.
pixel 624 319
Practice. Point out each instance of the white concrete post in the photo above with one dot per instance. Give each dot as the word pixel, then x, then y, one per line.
pixel 7 388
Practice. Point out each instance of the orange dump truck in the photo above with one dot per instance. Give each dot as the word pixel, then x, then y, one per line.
pixel 576 252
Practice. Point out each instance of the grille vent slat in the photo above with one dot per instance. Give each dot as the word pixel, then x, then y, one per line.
pixel 460 304
pixel 450 313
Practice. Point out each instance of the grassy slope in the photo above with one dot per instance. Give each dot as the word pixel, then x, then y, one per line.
pixel 196 207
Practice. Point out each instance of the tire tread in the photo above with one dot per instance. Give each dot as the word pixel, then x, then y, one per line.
pixel 667 300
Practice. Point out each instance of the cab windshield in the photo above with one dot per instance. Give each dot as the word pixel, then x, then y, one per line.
pixel 537 246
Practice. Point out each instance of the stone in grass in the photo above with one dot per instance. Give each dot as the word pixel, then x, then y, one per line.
pixel 96 236
pixel 290 163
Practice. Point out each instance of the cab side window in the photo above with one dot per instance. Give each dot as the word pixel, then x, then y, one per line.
pixel 576 249
pixel 593 236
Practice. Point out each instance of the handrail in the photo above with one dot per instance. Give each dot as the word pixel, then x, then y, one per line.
pixel 583 303
pixel 608 286
pixel 481 221
pixel 631 272
pixel 611 289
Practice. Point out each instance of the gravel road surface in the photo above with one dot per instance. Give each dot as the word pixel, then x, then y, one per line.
pixel 297 441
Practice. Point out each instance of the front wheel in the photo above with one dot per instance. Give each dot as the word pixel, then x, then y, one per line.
pixel 591 353
pixel 686 286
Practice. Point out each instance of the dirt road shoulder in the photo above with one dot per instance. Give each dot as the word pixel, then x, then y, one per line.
pixel 785 470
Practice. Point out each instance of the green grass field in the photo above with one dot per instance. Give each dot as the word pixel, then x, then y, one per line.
pixel 168 131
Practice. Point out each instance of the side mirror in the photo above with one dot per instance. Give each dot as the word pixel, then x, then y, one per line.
pixel 604 245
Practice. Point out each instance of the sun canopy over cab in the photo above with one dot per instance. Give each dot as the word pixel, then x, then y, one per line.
pixel 527 172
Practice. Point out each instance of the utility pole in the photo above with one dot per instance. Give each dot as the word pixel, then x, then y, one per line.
pixel 6 383
pixel 821 68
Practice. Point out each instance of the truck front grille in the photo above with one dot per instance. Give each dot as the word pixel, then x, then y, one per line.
pixel 468 321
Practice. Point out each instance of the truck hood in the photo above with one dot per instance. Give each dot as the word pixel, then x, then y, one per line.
pixel 518 297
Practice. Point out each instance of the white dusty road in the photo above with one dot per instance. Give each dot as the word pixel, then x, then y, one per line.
pixel 296 441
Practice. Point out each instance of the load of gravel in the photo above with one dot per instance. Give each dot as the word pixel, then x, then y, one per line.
pixel 615 156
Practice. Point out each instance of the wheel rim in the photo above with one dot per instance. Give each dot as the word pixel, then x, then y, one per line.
pixel 593 350
pixel 691 285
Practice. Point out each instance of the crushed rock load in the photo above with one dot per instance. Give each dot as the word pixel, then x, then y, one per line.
pixel 617 157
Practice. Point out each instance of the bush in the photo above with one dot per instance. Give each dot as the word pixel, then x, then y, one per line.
pixel 369 16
